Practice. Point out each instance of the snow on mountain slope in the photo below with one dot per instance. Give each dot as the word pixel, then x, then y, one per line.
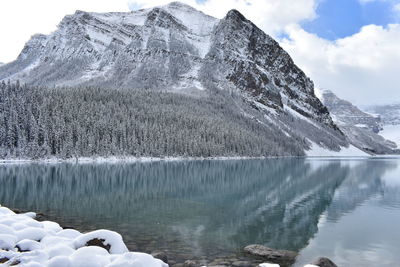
pixel 351 151
pixel 177 48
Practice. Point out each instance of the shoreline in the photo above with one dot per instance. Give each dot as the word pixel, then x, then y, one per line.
pixel 117 160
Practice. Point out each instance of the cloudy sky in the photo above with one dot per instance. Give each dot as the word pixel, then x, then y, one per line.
pixel 351 47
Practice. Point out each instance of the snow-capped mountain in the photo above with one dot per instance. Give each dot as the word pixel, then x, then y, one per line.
pixel 361 128
pixel 178 48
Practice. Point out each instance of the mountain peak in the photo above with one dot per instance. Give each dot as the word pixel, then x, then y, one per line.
pixel 236 15
pixel 80 12
pixel 177 4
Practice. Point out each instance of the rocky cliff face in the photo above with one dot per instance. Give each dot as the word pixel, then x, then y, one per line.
pixel 361 128
pixel 180 49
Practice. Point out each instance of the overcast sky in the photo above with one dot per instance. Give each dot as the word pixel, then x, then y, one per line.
pixel 351 47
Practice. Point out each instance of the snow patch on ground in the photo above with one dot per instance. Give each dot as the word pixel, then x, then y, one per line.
pixel 27 242
pixel 351 151
pixel 392 133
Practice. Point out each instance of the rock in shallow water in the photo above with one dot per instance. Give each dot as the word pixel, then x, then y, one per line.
pixel 190 263
pixel 161 255
pixel 269 254
pixel 324 262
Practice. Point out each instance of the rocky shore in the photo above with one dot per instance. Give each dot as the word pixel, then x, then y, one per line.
pixel 31 239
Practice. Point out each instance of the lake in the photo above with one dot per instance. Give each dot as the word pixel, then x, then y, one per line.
pixel 344 209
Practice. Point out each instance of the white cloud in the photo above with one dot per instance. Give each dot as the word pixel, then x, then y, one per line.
pixel 396 8
pixel 20 19
pixel 363 68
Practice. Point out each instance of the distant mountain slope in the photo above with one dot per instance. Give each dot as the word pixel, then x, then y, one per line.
pixel 390 115
pixel 344 112
pixel 178 49
pixel 360 127
pixel 392 132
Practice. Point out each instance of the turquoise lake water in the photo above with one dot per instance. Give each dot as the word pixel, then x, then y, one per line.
pixel 344 209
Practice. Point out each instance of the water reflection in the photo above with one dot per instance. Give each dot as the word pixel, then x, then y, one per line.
pixel 200 208
pixel 360 226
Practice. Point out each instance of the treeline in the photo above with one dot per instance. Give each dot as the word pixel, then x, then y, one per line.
pixel 82 122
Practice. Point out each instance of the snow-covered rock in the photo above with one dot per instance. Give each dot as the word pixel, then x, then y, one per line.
pixel 109 238
pixel 47 244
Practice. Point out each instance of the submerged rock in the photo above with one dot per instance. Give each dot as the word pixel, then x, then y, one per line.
pixel 324 262
pixel 190 263
pixel 161 255
pixel 269 254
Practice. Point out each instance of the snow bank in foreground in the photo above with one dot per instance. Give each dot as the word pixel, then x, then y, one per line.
pixel 30 243
pixel 351 151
